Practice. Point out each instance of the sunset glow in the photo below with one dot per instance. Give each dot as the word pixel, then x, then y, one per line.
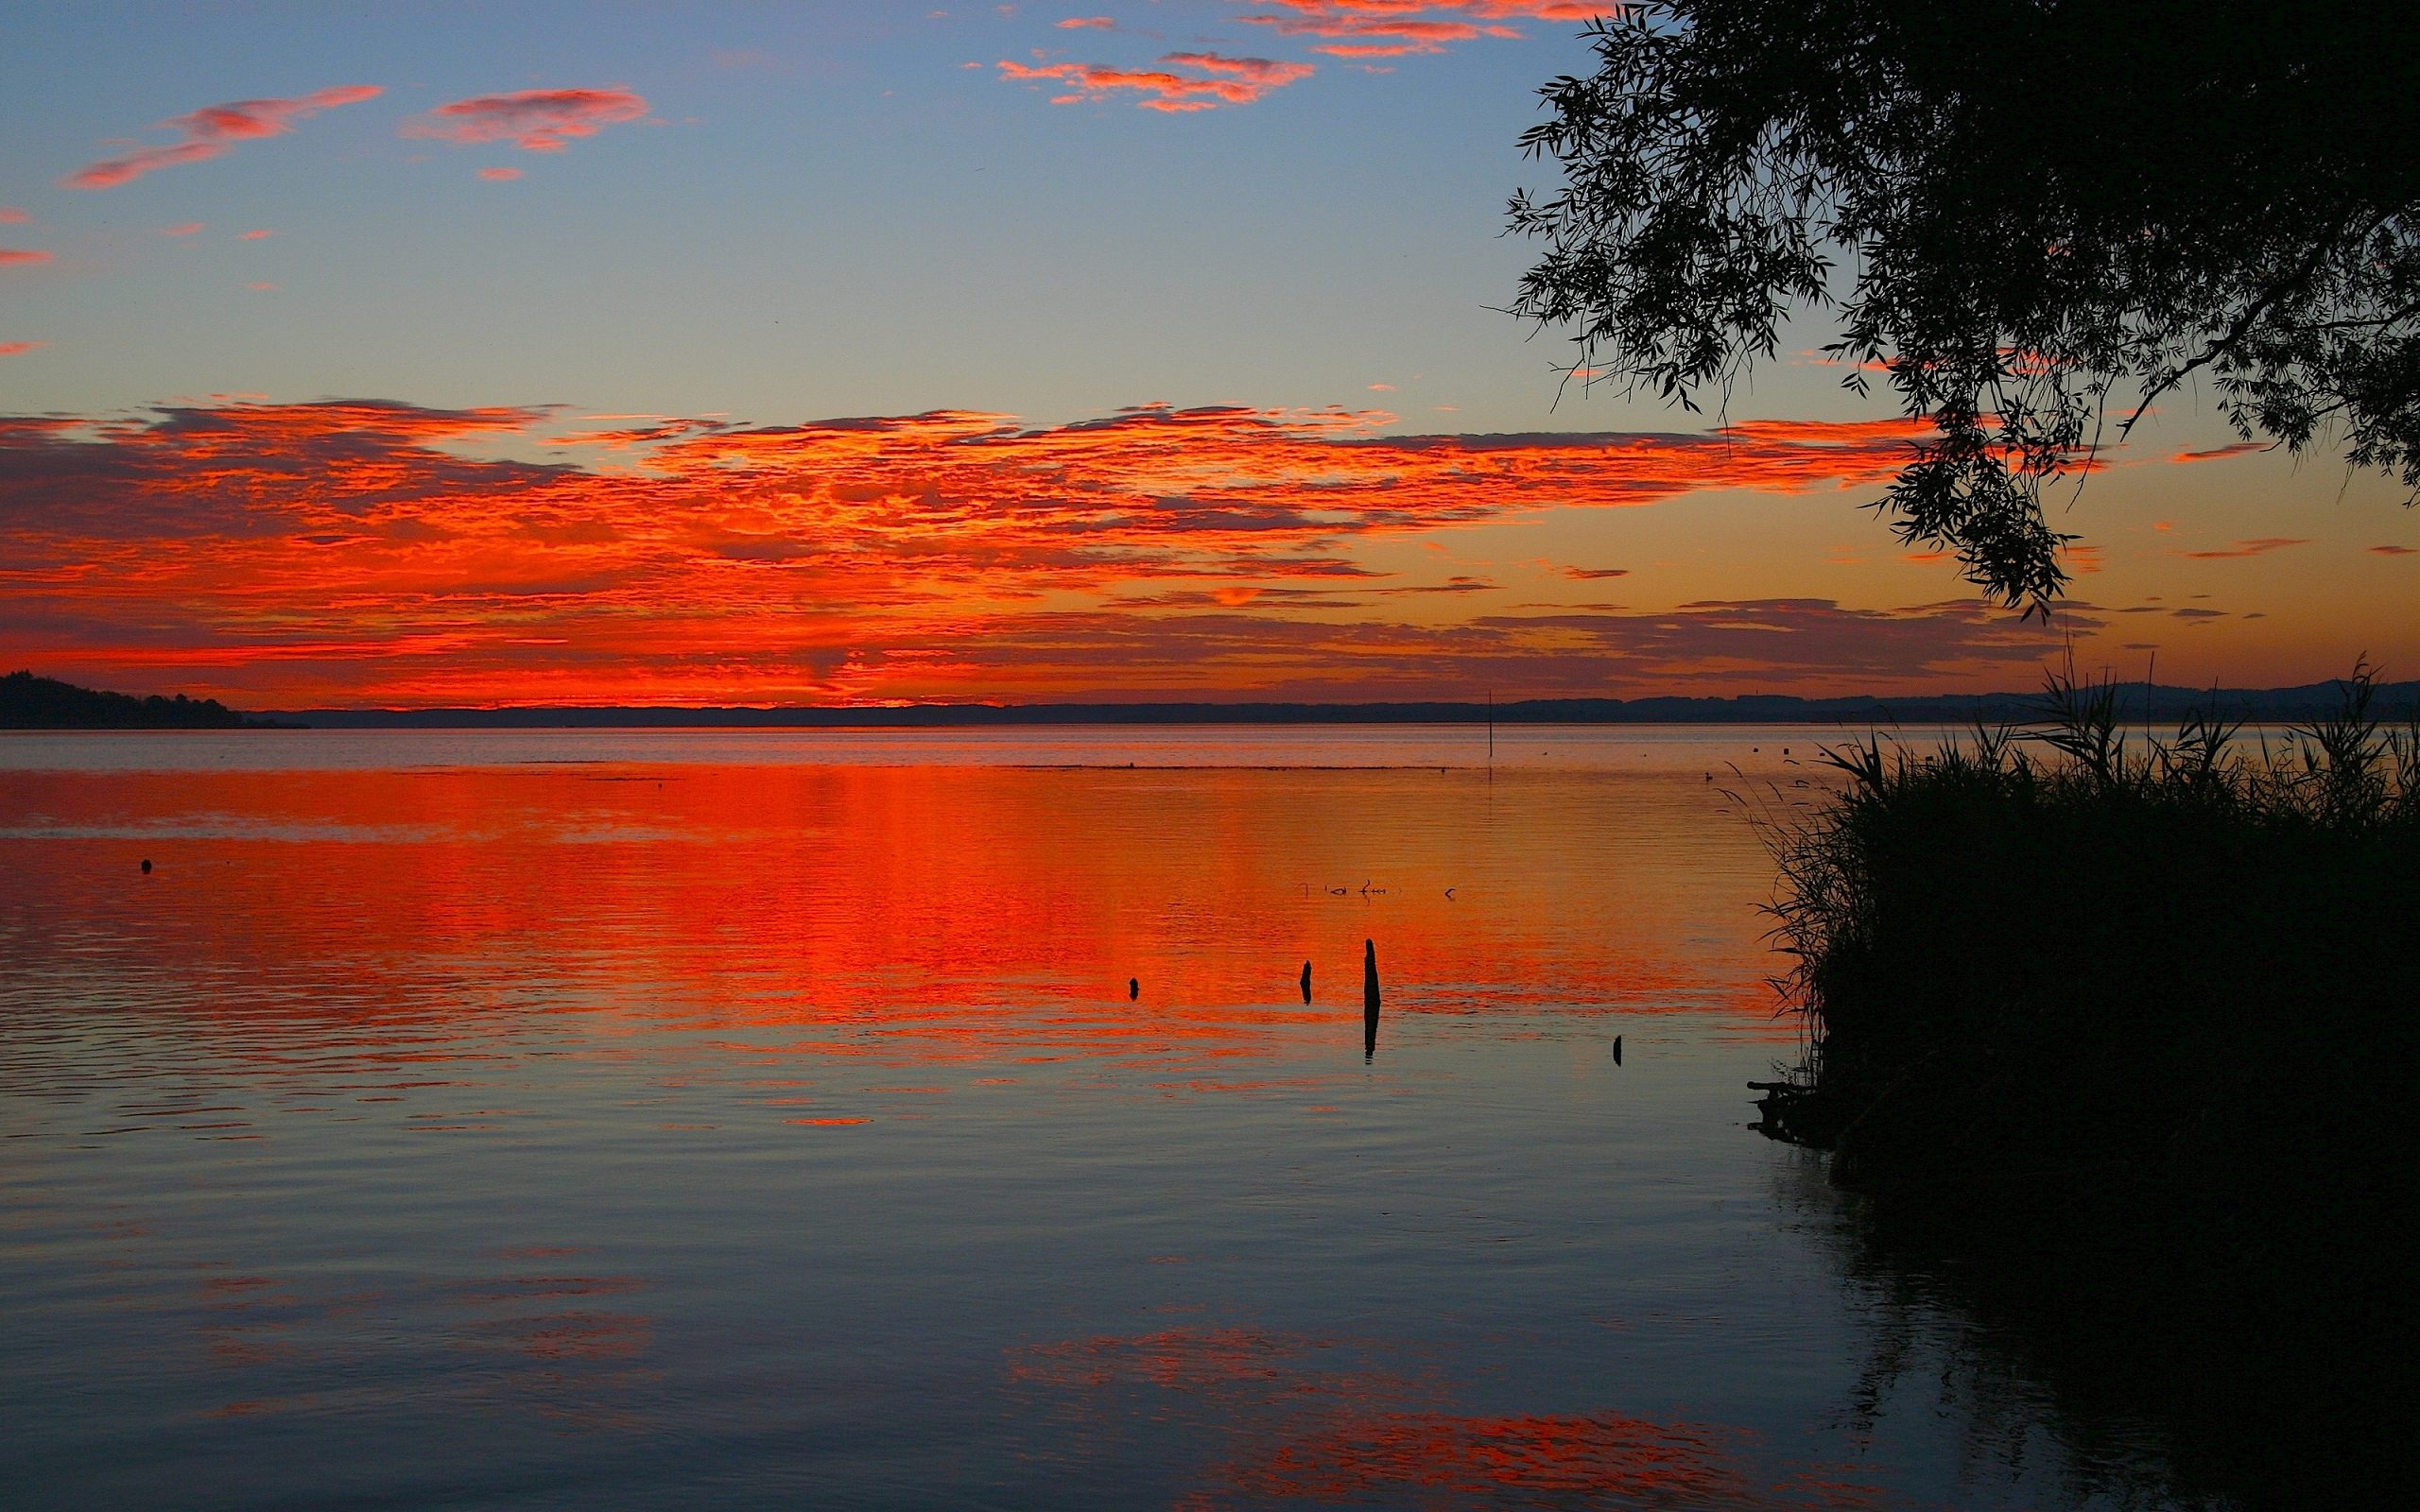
pixel 1090 461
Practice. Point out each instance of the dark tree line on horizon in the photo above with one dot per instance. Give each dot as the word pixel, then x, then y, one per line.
pixel 2035 219
pixel 28 702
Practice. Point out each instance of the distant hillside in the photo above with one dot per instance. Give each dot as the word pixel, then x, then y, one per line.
pixel 28 702
pixel 2158 703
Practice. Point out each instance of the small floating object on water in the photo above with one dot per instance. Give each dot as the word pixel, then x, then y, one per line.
pixel 1449 892
pixel 147 865
pixel 1133 988
pixel 1306 981
pixel 1617 1050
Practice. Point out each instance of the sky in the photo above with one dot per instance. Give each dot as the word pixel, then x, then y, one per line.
pixel 853 353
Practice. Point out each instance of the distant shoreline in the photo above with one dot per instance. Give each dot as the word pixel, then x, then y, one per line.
pixel 2161 703
pixel 2165 703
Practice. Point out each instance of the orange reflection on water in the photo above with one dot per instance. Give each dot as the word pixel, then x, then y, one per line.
pixel 1602 1459
pixel 1299 1417
pixel 916 914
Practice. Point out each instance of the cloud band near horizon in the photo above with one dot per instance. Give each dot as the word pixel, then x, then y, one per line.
pixel 378 552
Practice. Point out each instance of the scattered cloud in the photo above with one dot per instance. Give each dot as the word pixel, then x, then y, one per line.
pixel 11 216
pixel 18 349
pixel 1182 82
pixel 260 236
pixel 1591 575
pixel 499 175
pixel 1394 28
pixel 209 131
pixel 2215 452
pixel 22 257
pixel 189 228
pixel 1359 32
pixel 2395 551
pixel 534 120
pixel 2247 548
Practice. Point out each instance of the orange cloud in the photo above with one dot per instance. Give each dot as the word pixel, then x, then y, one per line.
pixel 1081 23
pixel 22 257
pixel 2247 548
pixel 534 120
pixel 1215 80
pixel 18 349
pixel 209 131
pixel 260 236
pixel 352 551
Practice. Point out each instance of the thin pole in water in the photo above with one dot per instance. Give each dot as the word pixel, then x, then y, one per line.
pixel 1491 727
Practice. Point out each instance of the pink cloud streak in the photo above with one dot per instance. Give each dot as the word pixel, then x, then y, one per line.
pixel 534 120
pixel 209 131
pixel 1215 80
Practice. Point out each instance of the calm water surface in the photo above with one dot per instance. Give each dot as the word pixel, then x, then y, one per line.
pixel 748 1120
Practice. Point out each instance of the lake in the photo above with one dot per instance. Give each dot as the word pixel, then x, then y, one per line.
pixel 700 1119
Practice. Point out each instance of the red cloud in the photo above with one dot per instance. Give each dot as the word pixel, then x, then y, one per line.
pixel 208 131
pixel 1080 23
pixel 1215 80
pixel 11 216
pixel 1391 27
pixel 18 349
pixel 362 549
pixel 260 236
pixel 499 175
pixel 189 228
pixel 2247 548
pixel 534 120
pixel 22 257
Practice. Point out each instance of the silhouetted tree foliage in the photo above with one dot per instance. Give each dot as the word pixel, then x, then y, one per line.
pixel 2014 209
pixel 28 702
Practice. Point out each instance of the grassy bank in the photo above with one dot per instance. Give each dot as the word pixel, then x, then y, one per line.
pixel 2119 1031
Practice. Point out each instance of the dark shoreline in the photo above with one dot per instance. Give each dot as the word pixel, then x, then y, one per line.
pixel 28 702
pixel 2163 703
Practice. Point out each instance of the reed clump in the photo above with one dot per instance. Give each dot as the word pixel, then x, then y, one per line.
pixel 2063 946
pixel 2120 1029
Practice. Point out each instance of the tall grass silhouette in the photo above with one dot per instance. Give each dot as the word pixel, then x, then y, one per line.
pixel 2116 1028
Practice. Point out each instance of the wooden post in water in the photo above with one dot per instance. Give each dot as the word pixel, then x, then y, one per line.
pixel 1307 984
pixel 1369 998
